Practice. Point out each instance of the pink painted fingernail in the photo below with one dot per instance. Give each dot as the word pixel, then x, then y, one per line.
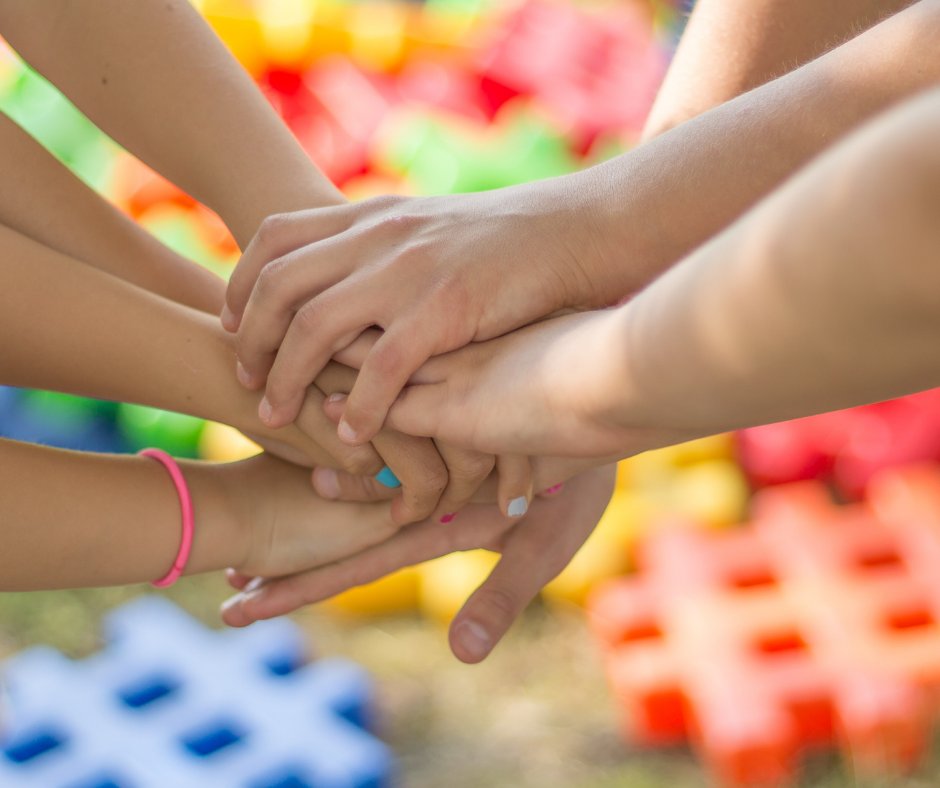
pixel 265 411
pixel 448 517
pixel 553 490
pixel 242 374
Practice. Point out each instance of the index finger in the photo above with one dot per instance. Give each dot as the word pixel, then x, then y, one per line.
pixel 278 235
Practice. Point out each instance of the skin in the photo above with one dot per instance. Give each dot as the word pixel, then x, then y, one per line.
pixel 534 548
pixel 683 173
pixel 229 150
pixel 438 272
pixel 259 515
pixel 824 296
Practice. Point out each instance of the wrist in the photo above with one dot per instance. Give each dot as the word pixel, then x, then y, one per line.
pixel 221 535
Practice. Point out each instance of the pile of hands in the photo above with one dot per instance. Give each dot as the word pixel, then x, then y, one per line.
pixel 396 357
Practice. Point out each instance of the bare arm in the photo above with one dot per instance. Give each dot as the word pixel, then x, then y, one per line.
pixel 732 46
pixel 154 76
pixel 68 326
pixel 824 296
pixel 42 200
pixel 69 519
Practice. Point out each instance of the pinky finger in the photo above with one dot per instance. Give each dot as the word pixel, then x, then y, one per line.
pixel 514 491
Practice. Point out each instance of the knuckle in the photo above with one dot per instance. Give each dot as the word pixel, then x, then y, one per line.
pixel 307 321
pixel 474 468
pixel 361 463
pixel 271 228
pixel 270 280
pixel 397 222
pixel 501 600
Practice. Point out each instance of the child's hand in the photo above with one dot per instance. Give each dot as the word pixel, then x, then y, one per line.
pixel 283 525
pixel 435 273
pixel 535 549
pixel 437 479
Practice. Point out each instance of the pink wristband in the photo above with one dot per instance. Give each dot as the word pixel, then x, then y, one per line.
pixel 186 504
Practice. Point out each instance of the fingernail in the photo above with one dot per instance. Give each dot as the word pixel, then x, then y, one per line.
pixel 387 478
pixel 346 433
pixel 474 639
pixel 448 517
pixel 327 483
pixel 265 411
pixel 517 506
pixel 242 374
pixel 337 397
pixel 229 323
pixel 232 601
pixel 253 585
pixel 553 490
pixel 254 596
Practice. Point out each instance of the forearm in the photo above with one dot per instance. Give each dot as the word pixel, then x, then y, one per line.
pixel 42 200
pixel 824 297
pixel 72 520
pixel 732 46
pixel 155 77
pixel 650 207
pixel 70 327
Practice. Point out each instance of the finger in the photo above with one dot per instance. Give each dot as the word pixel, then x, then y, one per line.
pixel 420 469
pixel 338 485
pixel 397 354
pixel 466 471
pixel 416 543
pixel 237 579
pixel 418 410
pixel 515 484
pixel 283 286
pixel 278 235
pixel 534 551
pixel 320 327
pixel 356 351
pixel 313 422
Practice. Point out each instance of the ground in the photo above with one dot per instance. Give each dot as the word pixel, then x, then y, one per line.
pixel 537 713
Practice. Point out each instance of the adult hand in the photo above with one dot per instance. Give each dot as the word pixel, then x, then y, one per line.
pixel 434 272
pixel 534 549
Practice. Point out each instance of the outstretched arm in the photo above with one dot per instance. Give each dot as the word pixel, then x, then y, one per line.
pixel 732 46
pixel 437 273
pixel 823 297
pixel 154 76
pixel 72 519
pixel 43 200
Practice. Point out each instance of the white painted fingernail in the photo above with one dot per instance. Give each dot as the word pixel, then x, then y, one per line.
pixel 517 506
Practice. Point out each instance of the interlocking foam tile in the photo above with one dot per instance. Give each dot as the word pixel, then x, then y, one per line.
pixel 595 72
pixel 815 626
pixel 848 446
pixel 172 703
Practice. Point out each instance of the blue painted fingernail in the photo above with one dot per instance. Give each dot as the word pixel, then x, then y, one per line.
pixel 388 478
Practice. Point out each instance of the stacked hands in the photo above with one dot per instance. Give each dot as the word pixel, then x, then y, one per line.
pixel 303 304
pixel 480 349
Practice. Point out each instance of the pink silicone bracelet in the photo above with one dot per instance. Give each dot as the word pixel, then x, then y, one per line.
pixel 186 504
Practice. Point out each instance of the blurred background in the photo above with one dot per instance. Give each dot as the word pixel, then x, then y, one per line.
pixel 452 96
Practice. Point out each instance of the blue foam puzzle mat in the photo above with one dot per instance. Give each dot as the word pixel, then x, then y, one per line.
pixel 172 703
